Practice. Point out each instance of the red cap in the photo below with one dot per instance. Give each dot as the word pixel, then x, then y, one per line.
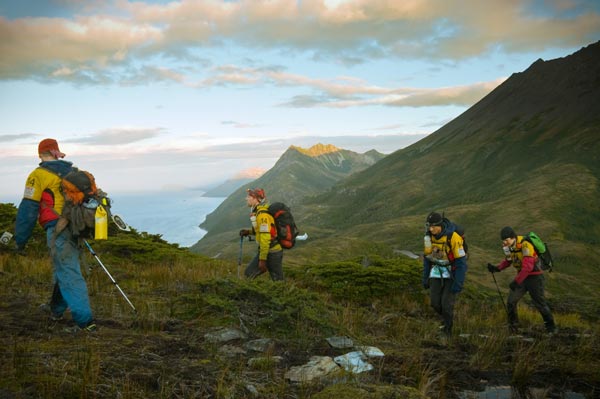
pixel 257 193
pixel 51 146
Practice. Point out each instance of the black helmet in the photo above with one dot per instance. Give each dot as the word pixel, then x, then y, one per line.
pixel 434 219
pixel 507 232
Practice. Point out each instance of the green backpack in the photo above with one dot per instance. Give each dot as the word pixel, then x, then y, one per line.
pixel 544 260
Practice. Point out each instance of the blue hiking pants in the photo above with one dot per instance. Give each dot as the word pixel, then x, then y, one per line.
pixel 72 290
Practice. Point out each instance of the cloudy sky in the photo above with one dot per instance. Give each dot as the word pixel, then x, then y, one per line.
pixel 158 95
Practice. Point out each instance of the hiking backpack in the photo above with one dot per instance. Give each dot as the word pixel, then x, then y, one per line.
pixel 460 230
pixel 87 208
pixel 544 260
pixel 284 224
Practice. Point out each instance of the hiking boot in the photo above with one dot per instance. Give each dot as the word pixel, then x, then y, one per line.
pixel 89 328
pixel 551 329
pixel 46 308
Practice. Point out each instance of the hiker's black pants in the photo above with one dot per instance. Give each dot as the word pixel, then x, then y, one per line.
pixel 442 300
pixel 274 266
pixel 535 286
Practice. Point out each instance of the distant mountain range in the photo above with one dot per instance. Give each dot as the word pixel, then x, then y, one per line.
pixel 297 174
pixel 526 155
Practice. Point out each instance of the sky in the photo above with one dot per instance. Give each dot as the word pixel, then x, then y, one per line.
pixel 166 95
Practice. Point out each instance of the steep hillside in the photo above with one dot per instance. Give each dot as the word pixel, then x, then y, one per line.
pixel 526 155
pixel 297 174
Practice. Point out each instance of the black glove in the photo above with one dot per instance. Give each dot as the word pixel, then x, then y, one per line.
pixel 513 285
pixel 244 233
pixel 493 268
pixel 426 284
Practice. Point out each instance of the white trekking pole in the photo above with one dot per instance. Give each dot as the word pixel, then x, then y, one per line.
pixel 109 275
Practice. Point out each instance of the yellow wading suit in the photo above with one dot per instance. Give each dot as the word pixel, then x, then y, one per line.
pixel 269 250
pixel 444 272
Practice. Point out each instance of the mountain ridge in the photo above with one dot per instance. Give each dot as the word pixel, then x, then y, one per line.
pixel 293 177
pixel 534 165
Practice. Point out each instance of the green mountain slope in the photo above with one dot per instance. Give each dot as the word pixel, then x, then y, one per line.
pixel 527 155
pixel 530 150
pixel 297 174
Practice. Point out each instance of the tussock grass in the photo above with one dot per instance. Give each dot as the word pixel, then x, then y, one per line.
pixel 161 351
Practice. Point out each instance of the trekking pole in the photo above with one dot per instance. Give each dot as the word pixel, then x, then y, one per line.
pixel 499 293
pixel 240 257
pixel 109 275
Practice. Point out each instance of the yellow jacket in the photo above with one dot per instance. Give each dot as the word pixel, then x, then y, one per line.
pixel 263 227
pixel 442 252
pixel 42 199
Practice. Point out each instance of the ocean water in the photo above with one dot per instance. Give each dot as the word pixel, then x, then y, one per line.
pixel 175 215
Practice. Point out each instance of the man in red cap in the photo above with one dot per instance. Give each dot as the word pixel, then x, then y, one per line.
pixel 43 201
pixel 270 254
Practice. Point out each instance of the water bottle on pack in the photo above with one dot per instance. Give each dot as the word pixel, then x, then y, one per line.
pixel 101 223
pixel 427 243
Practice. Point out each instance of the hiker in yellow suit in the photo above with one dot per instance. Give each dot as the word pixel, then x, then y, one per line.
pixel 270 254
pixel 444 267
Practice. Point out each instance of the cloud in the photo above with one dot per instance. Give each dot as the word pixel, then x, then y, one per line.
pixel 250 173
pixel 8 138
pixel 118 136
pixel 464 95
pixel 90 48
pixel 241 125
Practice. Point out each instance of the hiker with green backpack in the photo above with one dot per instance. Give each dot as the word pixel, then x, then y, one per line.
pixel 521 253
pixel 270 253
pixel 43 201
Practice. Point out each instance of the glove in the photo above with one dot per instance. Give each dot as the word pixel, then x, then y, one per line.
pixel 244 233
pixel 262 265
pixel 493 268
pixel 513 285
pixel 426 285
pixel 456 288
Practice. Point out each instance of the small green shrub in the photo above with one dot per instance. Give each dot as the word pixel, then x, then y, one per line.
pixel 358 282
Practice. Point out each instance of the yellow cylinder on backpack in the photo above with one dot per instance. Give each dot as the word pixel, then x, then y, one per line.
pixel 101 224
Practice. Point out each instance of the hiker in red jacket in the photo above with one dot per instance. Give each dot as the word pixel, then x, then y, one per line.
pixel 521 254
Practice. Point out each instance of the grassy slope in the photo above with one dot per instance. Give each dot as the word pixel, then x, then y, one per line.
pixel 162 351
